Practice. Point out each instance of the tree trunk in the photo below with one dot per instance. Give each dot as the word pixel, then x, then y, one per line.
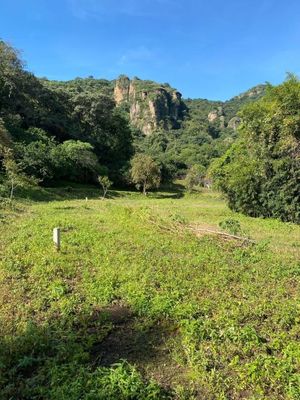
pixel 11 191
pixel 144 189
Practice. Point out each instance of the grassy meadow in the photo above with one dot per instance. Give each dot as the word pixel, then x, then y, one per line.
pixel 137 305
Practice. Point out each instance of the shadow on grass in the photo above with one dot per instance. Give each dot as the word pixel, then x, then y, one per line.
pixel 129 340
pixel 167 195
pixel 72 191
pixel 60 193
pixel 29 362
pixel 169 191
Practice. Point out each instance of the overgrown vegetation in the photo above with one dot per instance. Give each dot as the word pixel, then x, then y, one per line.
pixel 61 130
pixel 164 296
pixel 260 174
pixel 72 130
pixel 203 317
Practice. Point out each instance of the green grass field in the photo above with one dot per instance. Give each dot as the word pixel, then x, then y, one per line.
pixel 136 306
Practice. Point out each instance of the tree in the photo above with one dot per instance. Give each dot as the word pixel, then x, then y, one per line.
pixel 15 177
pixel 194 177
pixel 260 173
pixel 145 173
pixel 5 140
pixel 37 155
pixel 105 127
pixel 11 69
pixel 105 182
pixel 75 160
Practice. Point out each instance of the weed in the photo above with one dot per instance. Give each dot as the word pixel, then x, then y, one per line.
pixel 207 318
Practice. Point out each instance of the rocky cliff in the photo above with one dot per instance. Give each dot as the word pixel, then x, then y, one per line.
pixel 151 106
pixel 226 114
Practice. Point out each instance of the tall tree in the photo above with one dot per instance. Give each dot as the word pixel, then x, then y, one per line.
pixel 145 173
pixel 260 174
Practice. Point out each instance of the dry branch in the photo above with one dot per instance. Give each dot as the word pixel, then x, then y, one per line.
pixel 180 228
pixel 219 233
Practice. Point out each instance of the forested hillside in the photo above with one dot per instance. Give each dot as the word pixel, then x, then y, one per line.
pixel 71 130
pixel 80 129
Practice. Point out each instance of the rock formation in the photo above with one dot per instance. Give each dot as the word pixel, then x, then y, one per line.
pixel 234 123
pixel 216 115
pixel 152 106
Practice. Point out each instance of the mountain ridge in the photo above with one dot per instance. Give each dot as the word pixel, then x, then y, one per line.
pixel 153 106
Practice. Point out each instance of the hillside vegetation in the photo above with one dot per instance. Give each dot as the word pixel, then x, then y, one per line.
pixel 137 306
pixel 164 294
pixel 80 128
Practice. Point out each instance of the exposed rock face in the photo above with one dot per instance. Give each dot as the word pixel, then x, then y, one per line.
pixel 234 123
pixel 215 115
pixel 212 116
pixel 121 90
pixel 254 92
pixel 152 106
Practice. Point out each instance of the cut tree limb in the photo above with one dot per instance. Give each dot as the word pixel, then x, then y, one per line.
pixel 181 228
pixel 219 233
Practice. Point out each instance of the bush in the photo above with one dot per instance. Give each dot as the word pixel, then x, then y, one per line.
pixel 233 226
pixel 260 174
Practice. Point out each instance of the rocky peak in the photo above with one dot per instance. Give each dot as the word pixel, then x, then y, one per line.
pixel 122 89
pixel 152 106
pixel 255 92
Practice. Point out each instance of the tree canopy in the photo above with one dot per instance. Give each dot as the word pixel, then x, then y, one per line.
pixel 145 173
pixel 40 116
pixel 260 174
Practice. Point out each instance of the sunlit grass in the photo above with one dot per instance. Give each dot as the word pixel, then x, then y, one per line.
pixel 208 318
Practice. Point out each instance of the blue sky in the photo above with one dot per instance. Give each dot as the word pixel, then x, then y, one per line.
pixel 212 49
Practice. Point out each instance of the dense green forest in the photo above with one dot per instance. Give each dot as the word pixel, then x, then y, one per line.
pixel 80 129
pixel 260 173
pixel 61 131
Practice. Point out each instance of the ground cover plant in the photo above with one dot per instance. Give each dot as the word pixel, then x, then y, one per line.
pixel 130 309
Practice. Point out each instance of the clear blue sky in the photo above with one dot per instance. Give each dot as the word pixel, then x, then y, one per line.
pixel 205 48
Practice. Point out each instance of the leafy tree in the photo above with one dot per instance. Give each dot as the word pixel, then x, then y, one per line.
pixel 75 160
pixel 105 183
pixel 15 176
pixel 238 175
pixel 37 156
pixel 5 140
pixel 194 177
pixel 260 174
pixel 11 69
pixel 145 173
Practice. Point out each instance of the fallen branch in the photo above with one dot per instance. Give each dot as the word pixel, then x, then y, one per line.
pixel 219 233
pixel 180 228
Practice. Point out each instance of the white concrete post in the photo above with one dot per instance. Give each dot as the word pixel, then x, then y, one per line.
pixel 56 238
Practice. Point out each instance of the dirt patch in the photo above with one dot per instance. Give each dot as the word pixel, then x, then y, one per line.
pixel 147 346
pixel 118 314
